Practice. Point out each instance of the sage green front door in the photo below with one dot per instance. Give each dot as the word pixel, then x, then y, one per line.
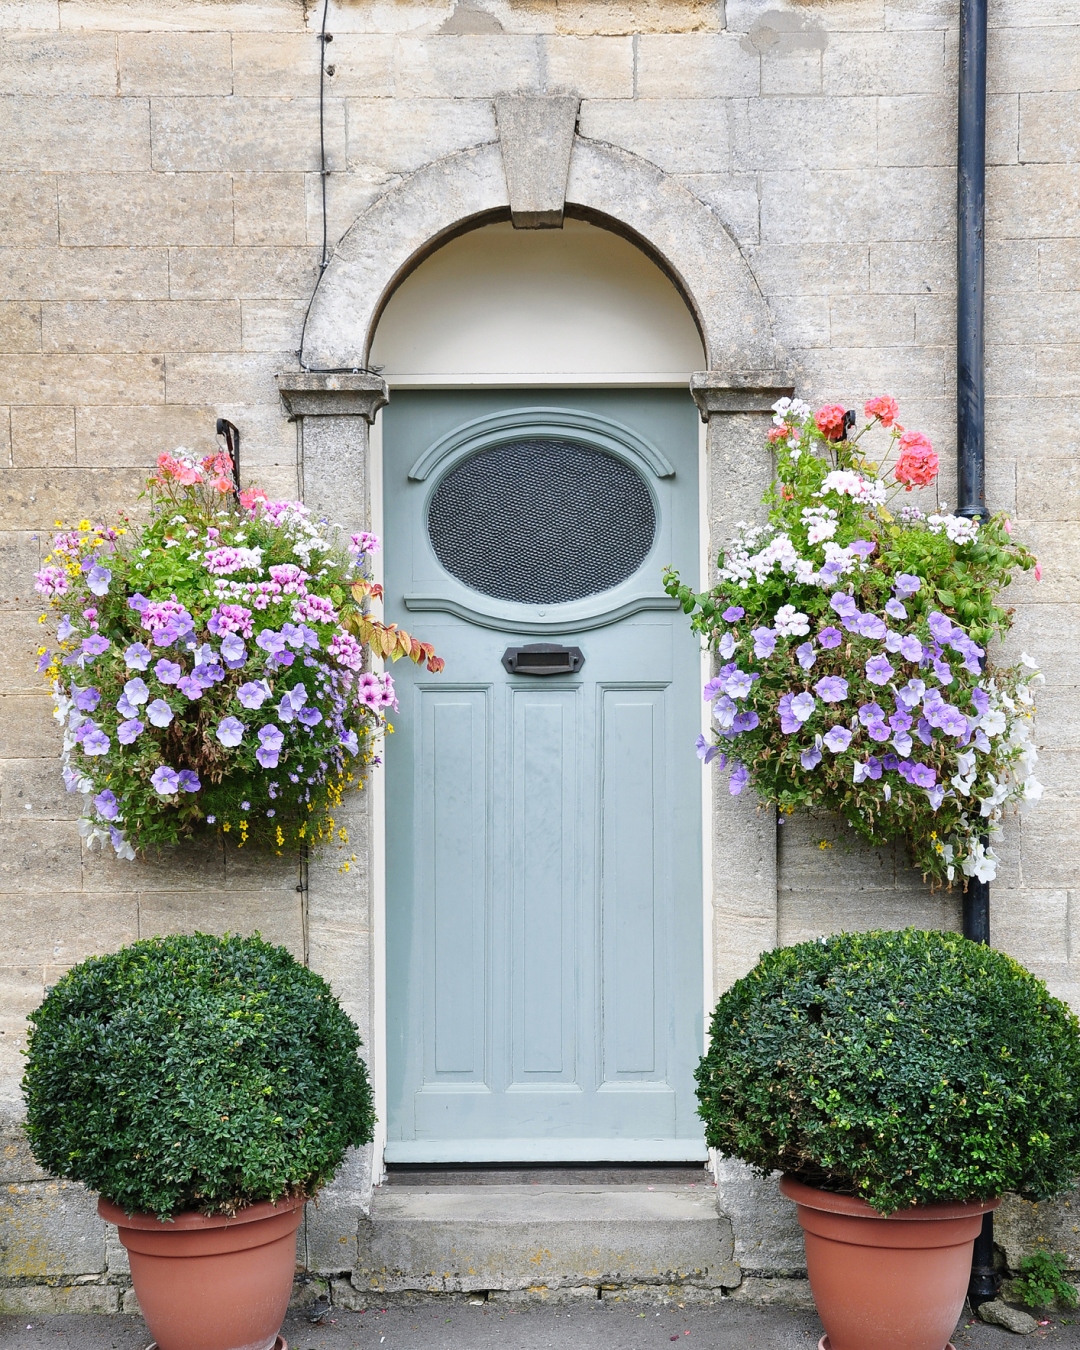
pixel 544 890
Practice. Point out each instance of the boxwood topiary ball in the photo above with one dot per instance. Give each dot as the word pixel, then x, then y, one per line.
pixel 195 1072
pixel 904 1068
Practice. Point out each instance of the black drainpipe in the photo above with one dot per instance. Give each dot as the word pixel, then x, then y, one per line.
pixel 971 421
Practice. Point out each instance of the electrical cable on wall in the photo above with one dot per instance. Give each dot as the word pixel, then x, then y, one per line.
pixel 324 262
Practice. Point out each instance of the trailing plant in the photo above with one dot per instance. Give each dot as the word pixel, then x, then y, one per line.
pixel 195 1072
pixel 903 1068
pixel 212 667
pixel 852 635
pixel 1043 1281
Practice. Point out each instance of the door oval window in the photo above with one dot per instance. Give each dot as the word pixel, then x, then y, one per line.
pixel 542 521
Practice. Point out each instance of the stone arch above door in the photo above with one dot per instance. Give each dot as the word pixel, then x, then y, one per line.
pixel 604 183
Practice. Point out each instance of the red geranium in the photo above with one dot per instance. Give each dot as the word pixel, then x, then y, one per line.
pixel 917 465
pixel 884 408
pixel 830 421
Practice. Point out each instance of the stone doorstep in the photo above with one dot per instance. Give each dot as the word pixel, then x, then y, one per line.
pixel 458 1239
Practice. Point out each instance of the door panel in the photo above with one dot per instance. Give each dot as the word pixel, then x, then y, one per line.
pixel 544 931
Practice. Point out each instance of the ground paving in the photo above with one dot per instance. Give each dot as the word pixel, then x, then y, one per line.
pixel 438 1325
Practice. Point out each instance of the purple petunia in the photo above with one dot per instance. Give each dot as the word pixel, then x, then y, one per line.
pixel 726 646
pixel 97 580
pixel 724 711
pixel 128 731
pixel 740 776
pixel 350 742
pixel 862 547
pixel 253 694
pixel 843 604
pixel 168 672
pixel 164 780
pixel 86 700
pixel 138 656
pixel 952 721
pixel 310 717
pixel 870 769
pixel 159 713
pixel 733 613
pixel 711 690
pixel 189 781
pixel 789 723
pixel 705 751
pixel 136 690
pixel 922 775
pixel 895 608
pixel 805 655
pixel 64 628
pixel 107 807
pixel 190 687
pixel 981 700
pixel 271 642
pixel 830 637
pixel 811 758
pixel 803 705
pixel 911 649
pixel 877 730
pixel 230 731
pixel 233 651
pixel 878 670
pixel 764 642
pixel 912 693
pixel 744 721
pixel 271 740
pixel 869 625
pixel 943 671
pixel 738 684
pixel 870 712
pixel 904 584
pixel 831 689
pixel 96 743
pixel 138 602
pixel 94 645
pixel 899 721
pixel 890 763
pixel 940 625
pixel 837 738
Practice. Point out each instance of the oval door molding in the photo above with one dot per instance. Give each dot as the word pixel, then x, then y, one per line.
pixel 547 424
pixel 515 618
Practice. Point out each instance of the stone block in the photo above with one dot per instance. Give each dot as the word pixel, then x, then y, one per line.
pixel 1050 858
pixel 678 135
pixel 884 63
pixel 331 1226
pixel 1002 128
pixel 696 66
pixel 17 1162
pixel 51 1228
pixel 274 16
pixel 347 196
pixel 70 135
pixel 1047 632
pixel 1059 264
pixel 21 992
pixel 194 866
pixel 275 914
pixel 61 928
pixel 33 789
pixel 20 326
pixel 803 133
pixel 279 65
pixel 84 273
pixel 916 129
pixel 242 273
pixel 872 321
pixel 476 66
pixel 109 437
pixel 269 208
pixel 30 217
pixel 1043 317
pixel 35 499
pixel 802 320
pixel 50 1300
pixel 38 856
pixel 450 1239
pixel 614 17
pixel 165 64
pixel 1029 59
pixel 746 16
pixel 34 15
pixel 399 135
pixel 1032 926
pixel 142 326
pixel 845 206
pixel 733 197
pixel 777 1292
pixel 810 269
pixel 224 377
pixel 863 371
pixel 145 208
pixel 273 325
pixel 596 67
pixel 58 63
pixel 27 727
pixel 935 325
pixel 129 1303
pixel 20 552
pixel 246 135
pixel 83 379
pixel 1032 201
pixel 22 638
pixel 768 1241
pixel 1048 128
pixel 790 46
pixel 913 268
pixel 1024 1226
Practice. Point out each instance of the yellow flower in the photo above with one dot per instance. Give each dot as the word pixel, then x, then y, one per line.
pixel 84 525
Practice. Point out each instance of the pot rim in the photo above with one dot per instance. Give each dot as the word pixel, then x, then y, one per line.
pixel 190 1219
pixel 832 1203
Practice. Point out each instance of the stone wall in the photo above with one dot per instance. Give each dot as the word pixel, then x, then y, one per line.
pixel 160 237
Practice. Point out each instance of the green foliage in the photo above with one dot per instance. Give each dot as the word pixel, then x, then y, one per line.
pixel 901 1067
pixel 1043 1281
pixel 195 1073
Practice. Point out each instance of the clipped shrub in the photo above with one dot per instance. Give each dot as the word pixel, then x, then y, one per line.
pixel 198 1072
pixel 903 1068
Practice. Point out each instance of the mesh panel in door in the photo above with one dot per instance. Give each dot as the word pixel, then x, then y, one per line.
pixel 541 521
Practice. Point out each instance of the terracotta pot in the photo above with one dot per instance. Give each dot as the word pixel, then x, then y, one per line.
pixel 212 1283
pixel 895 1283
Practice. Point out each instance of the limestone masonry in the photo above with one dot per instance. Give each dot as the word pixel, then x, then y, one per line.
pixel 160 237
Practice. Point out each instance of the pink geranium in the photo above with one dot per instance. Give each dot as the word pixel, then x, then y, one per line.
pixel 183 471
pixel 830 421
pixel 917 465
pixel 884 408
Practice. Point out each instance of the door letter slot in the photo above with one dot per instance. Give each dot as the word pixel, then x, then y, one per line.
pixel 543 658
